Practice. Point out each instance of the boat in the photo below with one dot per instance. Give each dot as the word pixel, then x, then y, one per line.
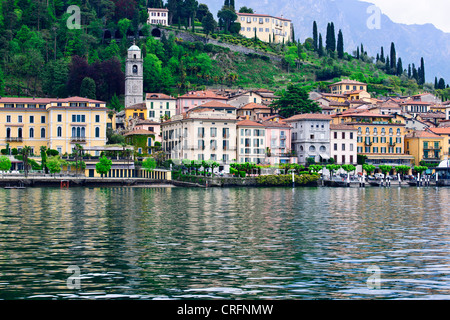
pixel 20 186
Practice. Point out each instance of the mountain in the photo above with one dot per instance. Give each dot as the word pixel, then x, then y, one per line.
pixel 411 41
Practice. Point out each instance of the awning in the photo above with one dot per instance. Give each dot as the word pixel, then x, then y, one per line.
pixel 324 156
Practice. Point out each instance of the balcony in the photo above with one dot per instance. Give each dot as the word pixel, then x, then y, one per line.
pixel 367 143
pixel 432 148
pixel 78 139
pixel 392 143
pixel 14 139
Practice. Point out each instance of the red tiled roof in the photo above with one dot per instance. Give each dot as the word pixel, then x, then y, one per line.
pixel 158 96
pixel 249 123
pixel 421 134
pixel 140 106
pixel 253 105
pixel 440 130
pixel 216 104
pixel 310 116
pixel 341 127
pixel 202 95
pixel 140 132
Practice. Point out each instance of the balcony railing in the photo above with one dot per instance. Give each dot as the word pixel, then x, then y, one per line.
pixel 14 139
pixel 78 139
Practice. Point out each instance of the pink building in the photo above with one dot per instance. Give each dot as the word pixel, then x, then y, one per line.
pixel 278 142
pixel 194 99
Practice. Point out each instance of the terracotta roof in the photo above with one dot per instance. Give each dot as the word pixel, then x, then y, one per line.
pixel 440 130
pixel 421 134
pixel 158 96
pixel 259 15
pixel 433 115
pixel 367 114
pixel 140 106
pixel 342 127
pixel 46 100
pixel 147 122
pixel 253 105
pixel 249 123
pixel 202 95
pixel 140 132
pixel 216 104
pixel 310 116
pixel 410 102
pixel 348 81
pixel 275 124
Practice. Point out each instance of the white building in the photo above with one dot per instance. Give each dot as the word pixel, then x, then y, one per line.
pixel 200 134
pixel 251 142
pixel 310 136
pixel 160 105
pixel 343 143
pixel 158 16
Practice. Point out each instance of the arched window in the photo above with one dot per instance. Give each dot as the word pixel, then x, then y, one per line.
pixel 74 132
pixel 42 132
pixel 391 131
pixel 359 130
pixel 78 132
pixel 135 69
pixel 19 133
pixel 375 131
pixel 59 132
pixel 8 132
pixel 312 149
pixel 97 132
pixel 383 131
pixel 367 130
pixel 398 131
pixel 322 149
pixel 31 132
pixel 83 132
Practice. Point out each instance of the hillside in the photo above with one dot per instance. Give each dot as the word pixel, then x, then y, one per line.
pixel 42 57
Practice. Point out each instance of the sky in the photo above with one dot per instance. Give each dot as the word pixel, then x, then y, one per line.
pixel 416 11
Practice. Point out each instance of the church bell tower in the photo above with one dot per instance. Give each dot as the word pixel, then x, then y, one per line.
pixel 134 83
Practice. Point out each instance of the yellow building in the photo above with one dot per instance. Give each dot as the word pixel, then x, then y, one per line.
pixel 424 146
pixel 379 137
pixel 347 85
pixel 267 28
pixel 55 123
pixel 445 133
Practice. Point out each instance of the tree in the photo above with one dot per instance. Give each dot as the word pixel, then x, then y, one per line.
pixel 226 17
pixel 88 88
pixel 368 168
pixel 421 73
pixel 208 23
pixel 402 169
pixel 382 58
pixel 103 166
pixel 332 168
pixel 149 164
pixel 320 49
pixel 5 164
pixel 393 59
pixel 399 67
pixel 340 45
pixel 330 42
pixel 54 164
pixel 315 37
pixel 441 84
pixel 246 10
pixel 295 100
pixel 2 82
pixel 43 150
pixel 25 152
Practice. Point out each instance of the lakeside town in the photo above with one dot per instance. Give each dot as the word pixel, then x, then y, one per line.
pixel 217 130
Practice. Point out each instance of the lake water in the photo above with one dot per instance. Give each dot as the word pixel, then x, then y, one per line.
pixel 255 243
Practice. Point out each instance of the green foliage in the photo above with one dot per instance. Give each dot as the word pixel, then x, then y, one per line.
pixel 315 168
pixel 54 164
pixel 402 169
pixel 88 88
pixel 103 166
pixel 348 167
pixel 5 163
pixel 286 179
pixel 368 168
pixel 149 164
pixel 420 169
pixel 295 100
pixel 385 168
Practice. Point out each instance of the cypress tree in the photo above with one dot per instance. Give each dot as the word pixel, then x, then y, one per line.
pixel 340 45
pixel 415 74
pixel 320 48
pixel 393 58
pixel 388 66
pixel 409 71
pixel 378 57
pixel 435 83
pixel 315 37
pixel 422 71
pixel 399 67
pixel 357 53
pixel 362 50
pixel 441 84
pixel 382 59
pixel 333 37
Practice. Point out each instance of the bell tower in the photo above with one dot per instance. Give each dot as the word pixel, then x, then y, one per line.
pixel 134 83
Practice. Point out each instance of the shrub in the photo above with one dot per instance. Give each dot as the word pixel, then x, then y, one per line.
pixel 242 174
pixel 286 179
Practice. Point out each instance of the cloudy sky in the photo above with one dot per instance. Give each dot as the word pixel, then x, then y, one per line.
pixel 417 11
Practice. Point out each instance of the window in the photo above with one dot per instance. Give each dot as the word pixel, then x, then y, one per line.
pixel 151 114
pixel 213 132
pixel 42 132
pixel 59 132
pixel 343 147
pixel 19 133
pixel 59 117
pixel 201 132
pixel 367 130
pixel 19 119
pixel 97 132
pixel 31 119
pixel 335 147
pixel 335 136
pixel 351 146
pixel 97 118
pixel 8 118
pixel 31 132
